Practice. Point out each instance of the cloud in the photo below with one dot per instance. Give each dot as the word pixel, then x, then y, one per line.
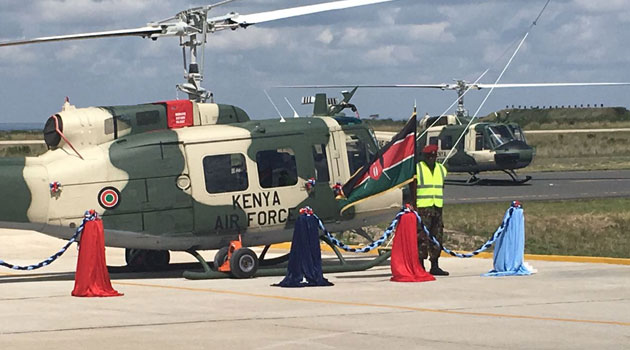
pixel 247 39
pixel 325 37
pixel 433 32
pixel 85 11
pixel 406 41
pixel 389 55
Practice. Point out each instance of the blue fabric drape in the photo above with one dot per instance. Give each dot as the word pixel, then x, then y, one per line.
pixel 305 259
pixel 510 247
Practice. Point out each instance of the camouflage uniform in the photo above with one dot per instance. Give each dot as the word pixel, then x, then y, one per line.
pixel 432 219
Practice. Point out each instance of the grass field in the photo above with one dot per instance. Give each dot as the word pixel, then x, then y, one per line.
pixel 580 151
pixel 594 227
pixel 565 118
pixel 20 135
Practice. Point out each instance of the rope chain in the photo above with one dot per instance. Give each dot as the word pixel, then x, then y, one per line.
pixel 90 215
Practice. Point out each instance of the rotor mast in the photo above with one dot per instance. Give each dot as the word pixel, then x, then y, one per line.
pixel 461 90
pixel 193 73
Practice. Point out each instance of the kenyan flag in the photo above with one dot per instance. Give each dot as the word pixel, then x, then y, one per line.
pixel 392 167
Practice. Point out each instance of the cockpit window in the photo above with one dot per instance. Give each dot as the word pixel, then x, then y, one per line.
pixel 499 135
pixel 517 132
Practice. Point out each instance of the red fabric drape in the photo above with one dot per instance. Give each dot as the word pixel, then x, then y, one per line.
pixel 92 278
pixel 404 260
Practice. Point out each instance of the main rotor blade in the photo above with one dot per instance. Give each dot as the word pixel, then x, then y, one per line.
pixel 452 86
pixel 428 86
pixel 261 17
pixel 488 86
pixel 143 32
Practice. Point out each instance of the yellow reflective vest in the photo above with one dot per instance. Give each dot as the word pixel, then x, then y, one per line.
pixel 430 185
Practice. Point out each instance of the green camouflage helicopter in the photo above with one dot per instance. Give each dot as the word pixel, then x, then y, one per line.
pixel 468 145
pixel 188 175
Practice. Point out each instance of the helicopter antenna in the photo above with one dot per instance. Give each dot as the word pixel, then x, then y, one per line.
pixel 295 113
pixel 282 120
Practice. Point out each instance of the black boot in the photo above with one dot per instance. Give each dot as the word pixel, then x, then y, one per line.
pixel 436 270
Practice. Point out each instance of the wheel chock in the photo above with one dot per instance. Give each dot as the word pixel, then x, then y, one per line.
pixel 234 246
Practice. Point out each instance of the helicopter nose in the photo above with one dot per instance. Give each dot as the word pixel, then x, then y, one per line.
pixel 514 155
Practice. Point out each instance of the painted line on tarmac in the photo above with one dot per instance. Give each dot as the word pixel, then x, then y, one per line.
pixel 563 258
pixel 580 259
pixel 486 255
pixel 384 306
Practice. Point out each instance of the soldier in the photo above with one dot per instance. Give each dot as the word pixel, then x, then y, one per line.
pixel 429 202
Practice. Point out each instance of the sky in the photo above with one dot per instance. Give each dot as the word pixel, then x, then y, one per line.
pixel 398 42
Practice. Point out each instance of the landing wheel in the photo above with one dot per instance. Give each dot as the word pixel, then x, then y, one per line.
pixel 220 258
pixel 158 259
pixel 147 260
pixel 243 263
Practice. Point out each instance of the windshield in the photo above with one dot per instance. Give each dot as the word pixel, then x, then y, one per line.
pixel 499 134
pixel 517 132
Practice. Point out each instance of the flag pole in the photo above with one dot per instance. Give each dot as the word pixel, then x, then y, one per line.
pixel 413 186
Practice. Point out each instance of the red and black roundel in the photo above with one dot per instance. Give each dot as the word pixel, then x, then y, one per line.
pixel 109 198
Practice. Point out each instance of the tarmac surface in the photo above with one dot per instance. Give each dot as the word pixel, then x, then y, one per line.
pixel 566 305
pixel 496 187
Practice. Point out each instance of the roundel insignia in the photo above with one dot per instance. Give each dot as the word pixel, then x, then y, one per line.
pixel 109 198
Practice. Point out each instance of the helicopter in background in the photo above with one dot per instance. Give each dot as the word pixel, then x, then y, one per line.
pixel 192 174
pixel 483 146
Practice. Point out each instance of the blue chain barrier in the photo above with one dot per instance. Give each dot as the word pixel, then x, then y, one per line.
pixel 392 227
pixel 90 215
pixel 488 244
pixel 375 244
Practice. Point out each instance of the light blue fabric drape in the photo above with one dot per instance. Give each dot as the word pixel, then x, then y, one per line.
pixel 510 247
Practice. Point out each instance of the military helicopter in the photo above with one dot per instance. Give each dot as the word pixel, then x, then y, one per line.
pixel 466 144
pixel 190 175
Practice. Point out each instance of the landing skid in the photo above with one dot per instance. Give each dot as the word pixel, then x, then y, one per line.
pixel 515 177
pixel 342 266
pixel 475 180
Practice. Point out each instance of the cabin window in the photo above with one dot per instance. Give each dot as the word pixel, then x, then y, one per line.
pixel 479 141
pixel 321 163
pixel 446 142
pixel 361 148
pixel 114 125
pixel 433 140
pixel 357 153
pixel 276 168
pixel 225 173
